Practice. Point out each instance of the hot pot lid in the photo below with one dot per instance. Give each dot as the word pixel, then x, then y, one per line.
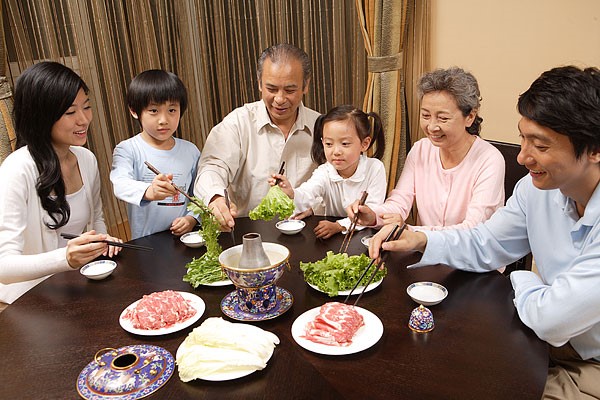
pixel 126 373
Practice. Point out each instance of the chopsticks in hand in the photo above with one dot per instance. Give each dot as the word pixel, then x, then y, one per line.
pixel 228 204
pixel 393 235
pixel 157 172
pixel 116 244
pixel 281 172
pixel 352 228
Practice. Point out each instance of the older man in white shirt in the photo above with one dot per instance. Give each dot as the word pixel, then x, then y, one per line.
pixel 248 146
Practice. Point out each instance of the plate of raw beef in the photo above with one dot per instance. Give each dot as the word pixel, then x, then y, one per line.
pixel 337 329
pixel 161 313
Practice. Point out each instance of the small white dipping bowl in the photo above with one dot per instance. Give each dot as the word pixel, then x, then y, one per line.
pixel 365 240
pixel 290 226
pixel 98 269
pixel 192 239
pixel 427 293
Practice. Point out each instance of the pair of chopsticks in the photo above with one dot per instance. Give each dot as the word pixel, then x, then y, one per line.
pixel 157 172
pixel 116 244
pixel 352 228
pixel 228 204
pixel 393 235
pixel 281 172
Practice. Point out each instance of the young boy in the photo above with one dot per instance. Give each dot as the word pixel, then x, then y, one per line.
pixel 157 99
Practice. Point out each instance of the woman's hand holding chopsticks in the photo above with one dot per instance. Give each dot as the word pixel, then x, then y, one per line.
pixel 408 241
pixel 89 246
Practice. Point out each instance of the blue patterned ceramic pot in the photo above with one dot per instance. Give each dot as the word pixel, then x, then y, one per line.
pixel 256 291
pixel 127 373
pixel 421 320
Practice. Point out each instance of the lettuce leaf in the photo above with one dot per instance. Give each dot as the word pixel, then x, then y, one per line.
pixel 337 272
pixel 276 202
pixel 207 268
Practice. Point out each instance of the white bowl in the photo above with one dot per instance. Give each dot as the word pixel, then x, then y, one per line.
pixel 98 269
pixel 365 240
pixel 427 293
pixel 290 226
pixel 192 239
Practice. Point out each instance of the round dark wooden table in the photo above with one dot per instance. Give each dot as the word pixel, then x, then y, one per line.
pixel 479 348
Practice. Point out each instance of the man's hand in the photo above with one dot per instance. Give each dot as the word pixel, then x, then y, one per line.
pixel 408 241
pixel 224 215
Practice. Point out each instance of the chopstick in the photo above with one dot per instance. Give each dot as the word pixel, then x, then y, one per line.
pixel 352 227
pixel 393 235
pixel 116 244
pixel 281 172
pixel 228 204
pixel 157 172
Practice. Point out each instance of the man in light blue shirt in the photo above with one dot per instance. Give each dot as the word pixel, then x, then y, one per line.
pixel 554 213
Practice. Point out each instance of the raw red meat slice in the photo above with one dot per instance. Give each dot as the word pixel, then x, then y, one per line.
pixel 335 325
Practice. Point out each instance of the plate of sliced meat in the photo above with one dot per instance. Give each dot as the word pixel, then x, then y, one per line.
pixel 161 313
pixel 337 329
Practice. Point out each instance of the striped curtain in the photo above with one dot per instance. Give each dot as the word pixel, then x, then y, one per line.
pixel 212 45
pixel 395 35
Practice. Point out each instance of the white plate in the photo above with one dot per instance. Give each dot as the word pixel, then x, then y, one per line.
pixel 358 290
pixel 225 282
pixel 427 293
pixel 227 376
pixel 195 302
pixel 365 337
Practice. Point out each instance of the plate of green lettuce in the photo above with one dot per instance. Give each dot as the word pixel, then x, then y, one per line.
pixel 337 273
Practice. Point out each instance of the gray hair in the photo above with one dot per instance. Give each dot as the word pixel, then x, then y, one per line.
pixel 461 84
pixel 280 53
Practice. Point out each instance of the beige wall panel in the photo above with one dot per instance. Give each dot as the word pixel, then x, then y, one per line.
pixel 507 44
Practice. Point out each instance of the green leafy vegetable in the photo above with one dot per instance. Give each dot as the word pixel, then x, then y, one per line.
pixel 207 268
pixel 337 272
pixel 275 202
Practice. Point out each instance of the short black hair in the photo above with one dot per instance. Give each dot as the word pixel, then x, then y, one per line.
pixel 566 100
pixel 155 86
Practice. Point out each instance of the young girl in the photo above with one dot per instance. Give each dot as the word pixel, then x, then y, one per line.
pixel 157 99
pixel 340 138
pixel 50 184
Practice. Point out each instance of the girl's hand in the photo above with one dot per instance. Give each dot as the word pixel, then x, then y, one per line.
pixel 183 225
pixel 366 216
pixel 86 248
pixel 161 188
pixel 303 214
pixel 326 229
pixel 284 184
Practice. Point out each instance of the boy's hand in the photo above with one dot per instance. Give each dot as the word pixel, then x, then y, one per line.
pixel 183 225
pixel 161 188
pixel 326 229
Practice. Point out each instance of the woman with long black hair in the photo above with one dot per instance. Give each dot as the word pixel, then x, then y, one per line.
pixel 50 184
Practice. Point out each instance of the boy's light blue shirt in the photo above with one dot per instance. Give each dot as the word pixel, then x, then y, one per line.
pixel 131 177
pixel 560 305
